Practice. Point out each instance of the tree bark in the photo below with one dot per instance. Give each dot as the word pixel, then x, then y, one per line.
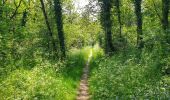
pixel 1 10
pixel 165 12
pixel 119 17
pixel 24 18
pixel 59 22
pixel 165 26
pixel 48 26
pixel 107 25
pixel 138 13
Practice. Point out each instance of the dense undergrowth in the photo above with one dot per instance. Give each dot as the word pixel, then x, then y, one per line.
pixel 122 76
pixel 126 76
pixel 46 80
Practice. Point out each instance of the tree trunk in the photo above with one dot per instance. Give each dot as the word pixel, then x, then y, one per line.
pixel 48 26
pixel 107 25
pixel 59 22
pixel 119 17
pixel 24 18
pixel 1 11
pixel 138 13
pixel 1 2
pixel 165 26
pixel 165 11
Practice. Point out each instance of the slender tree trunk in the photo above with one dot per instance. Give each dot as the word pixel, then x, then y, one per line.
pixel 165 12
pixel 24 18
pixel 107 25
pixel 138 13
pixel 59 22
pixel 119 17
pixel 165 26
pixel 1 11
pixel 48 26
pixel 16 9
pixel 165 23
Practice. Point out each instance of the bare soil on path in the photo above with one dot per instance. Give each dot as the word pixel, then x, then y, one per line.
pixel 83 88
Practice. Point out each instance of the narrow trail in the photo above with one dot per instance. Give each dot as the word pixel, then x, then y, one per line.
pixel 83 88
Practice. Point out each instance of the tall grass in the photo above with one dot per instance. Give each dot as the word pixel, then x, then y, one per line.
pixel 46 80
pixel 121 77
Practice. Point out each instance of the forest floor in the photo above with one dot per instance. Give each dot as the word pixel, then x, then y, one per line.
pixel 82 93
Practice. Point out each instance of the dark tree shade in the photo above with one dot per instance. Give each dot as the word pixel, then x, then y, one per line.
pixel 24 18
pixel 1 9
pixel 107 24
pixel 59 22
pixel 138 13
pixel 165 11
pixel 117 3
pixel 48 25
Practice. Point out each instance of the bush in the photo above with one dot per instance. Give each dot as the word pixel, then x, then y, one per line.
pixel 46 80
pixel 121 77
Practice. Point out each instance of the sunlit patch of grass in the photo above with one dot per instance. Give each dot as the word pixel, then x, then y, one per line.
pixel 56 81
pixel 32 84
pixel 122 77
pixel 97 52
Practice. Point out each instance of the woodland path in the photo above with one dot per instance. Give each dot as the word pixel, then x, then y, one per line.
pixel 83 88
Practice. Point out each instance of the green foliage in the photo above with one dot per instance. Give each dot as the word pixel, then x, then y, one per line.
pixel 122 77
pixel 30 69
pixel 46 80
pixel 38 83
pixel 97 52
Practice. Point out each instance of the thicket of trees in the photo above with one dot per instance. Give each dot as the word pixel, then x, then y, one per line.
pixel 137 67
pixel 139 10
pixel 33 31
pixel 26 11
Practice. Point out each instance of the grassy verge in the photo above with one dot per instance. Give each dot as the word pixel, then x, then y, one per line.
pixel 46 81
pixel 122 77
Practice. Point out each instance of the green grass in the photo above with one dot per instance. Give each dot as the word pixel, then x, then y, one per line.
pixel 123 77
pixel 46 81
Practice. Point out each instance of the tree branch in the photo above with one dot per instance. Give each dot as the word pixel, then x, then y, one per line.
pixel 15 12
